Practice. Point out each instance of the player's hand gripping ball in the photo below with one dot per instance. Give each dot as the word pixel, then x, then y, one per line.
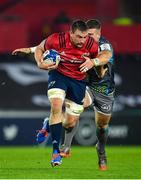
pixel 51 56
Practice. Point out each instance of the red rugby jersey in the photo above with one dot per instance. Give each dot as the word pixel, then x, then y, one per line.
pixel 71 56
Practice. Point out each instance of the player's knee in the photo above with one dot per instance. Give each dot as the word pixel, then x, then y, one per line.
pixel 70 123
pixel 86 102
pixel 56 107
pixel 102 124
pixel 102 121
pixel 73 109
pixel 88 98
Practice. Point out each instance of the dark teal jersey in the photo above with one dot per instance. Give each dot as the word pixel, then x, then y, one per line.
pixel 106 84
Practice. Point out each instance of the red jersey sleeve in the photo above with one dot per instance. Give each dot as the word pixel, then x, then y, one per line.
pixel 92 47
pixel 52 42
pixel 94 50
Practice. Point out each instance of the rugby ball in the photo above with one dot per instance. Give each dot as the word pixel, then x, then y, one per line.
pixel 51 56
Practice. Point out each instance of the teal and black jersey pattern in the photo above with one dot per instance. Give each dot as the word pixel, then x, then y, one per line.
pixel 104 85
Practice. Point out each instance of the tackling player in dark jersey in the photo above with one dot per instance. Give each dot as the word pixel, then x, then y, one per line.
pixel 100 92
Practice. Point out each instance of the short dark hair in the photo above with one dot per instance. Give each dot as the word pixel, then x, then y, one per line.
pixel 93 23
pixel 80 25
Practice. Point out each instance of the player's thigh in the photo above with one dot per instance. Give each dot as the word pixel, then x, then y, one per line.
pixel 56 89
pixel 88 100
pixel 103 104
pixel 101 119
pixel 56 80
pixel 76 91
pixel 70 120
pixel 74 101
pixel 72 113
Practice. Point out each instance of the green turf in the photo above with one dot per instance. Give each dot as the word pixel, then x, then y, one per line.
pixel 34 163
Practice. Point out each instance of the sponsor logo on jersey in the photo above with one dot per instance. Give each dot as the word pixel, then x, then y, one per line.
pixel 51 84
pixel 105 47
pixel 106 107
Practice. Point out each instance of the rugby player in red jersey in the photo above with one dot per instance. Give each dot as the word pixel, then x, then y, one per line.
pixel 102 117
pixel 66 81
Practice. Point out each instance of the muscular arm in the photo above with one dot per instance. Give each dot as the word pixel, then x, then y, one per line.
pixel 39 51
pixel 28 50
pixel 39 57
pixel 104 57
pixel 98 63
pixel 21 50
pixel 38 54
pixel 105 53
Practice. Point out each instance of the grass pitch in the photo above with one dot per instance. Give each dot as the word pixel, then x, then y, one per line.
pixel 34 163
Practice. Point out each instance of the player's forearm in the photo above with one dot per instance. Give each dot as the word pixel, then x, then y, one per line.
pixel 39 50
pixel 38 54
pixel 23 50
pixel 102 58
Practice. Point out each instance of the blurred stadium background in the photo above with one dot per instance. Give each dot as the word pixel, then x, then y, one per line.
pixel 23 101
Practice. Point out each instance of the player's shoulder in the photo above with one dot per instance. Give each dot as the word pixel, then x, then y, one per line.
pixel 61 38
pixel 52 42
pixel 104 44
pixel 90 43
pixel 59 34
pixel 103 40
pixel 53 36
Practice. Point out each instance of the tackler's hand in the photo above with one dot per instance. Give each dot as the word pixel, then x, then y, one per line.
pixel 88 64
